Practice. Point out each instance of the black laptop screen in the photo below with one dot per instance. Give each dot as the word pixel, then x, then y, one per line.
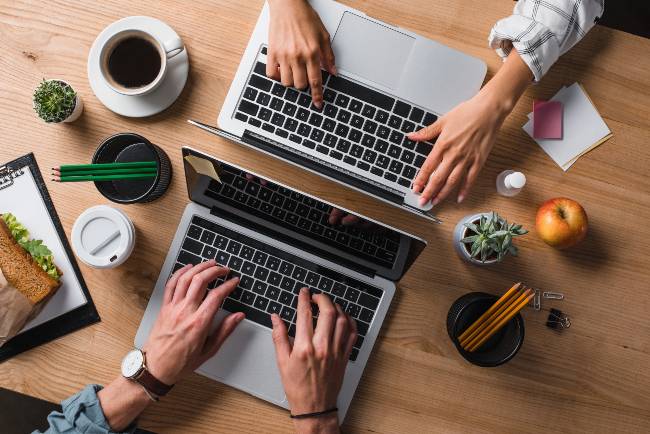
pixel 300 215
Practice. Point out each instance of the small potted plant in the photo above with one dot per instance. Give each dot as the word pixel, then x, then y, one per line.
pixel 486 238
pixel 56 101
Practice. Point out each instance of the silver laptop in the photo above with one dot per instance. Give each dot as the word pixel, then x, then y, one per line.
pixel 278 240
pixel 391 81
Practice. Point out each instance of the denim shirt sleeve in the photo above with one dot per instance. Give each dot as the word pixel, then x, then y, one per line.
pixel 81 413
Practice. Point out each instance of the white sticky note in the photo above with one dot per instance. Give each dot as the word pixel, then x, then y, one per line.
pixel 583 128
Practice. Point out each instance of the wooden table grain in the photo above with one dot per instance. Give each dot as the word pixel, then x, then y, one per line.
pixel 593 377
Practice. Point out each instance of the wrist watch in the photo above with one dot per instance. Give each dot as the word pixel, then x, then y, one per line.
pixel 134 368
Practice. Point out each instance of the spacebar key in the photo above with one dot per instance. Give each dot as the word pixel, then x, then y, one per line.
pixel 252 314
pixel 361 92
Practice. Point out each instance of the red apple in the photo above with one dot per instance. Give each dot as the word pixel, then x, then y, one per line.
pixel 561 222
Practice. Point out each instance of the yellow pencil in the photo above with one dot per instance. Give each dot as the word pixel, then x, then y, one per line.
pixel 487 313
pixel 499 323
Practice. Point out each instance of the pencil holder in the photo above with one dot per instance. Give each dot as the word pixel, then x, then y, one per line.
pixel 497 350
pixel 130 147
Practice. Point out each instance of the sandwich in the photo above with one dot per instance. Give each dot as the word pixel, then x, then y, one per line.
pixel 26 264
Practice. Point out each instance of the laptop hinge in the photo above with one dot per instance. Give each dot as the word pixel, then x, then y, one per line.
pixel 277 235
pixel 320 166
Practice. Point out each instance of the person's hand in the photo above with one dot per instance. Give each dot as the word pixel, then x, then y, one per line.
pixel 312 369
pixel 466 134
pixel 465 137
pixel 253 178
pixel 340 217
pixel 180 340
pixel 299 45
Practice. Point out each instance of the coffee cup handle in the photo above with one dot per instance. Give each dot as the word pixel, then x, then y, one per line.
pixel 173 47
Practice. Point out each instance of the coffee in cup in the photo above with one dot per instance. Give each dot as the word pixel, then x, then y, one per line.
pixel 134 62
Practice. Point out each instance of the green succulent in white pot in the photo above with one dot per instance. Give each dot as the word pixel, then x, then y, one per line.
pixel 56 101
pixel 486 238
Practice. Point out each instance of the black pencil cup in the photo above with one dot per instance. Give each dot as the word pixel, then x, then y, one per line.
pixel 126 148
pixel 497 350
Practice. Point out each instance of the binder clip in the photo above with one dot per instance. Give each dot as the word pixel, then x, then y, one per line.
pixel 558 320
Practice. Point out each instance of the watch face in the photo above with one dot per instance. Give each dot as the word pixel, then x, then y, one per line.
pixel 132 363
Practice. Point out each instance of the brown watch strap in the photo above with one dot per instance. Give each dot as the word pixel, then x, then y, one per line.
pixel 152 384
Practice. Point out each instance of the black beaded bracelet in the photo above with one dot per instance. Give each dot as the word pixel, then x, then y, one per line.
pixel 316 414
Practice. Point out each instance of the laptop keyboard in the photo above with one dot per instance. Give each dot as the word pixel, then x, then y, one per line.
pixel 304 215
pixel 358 126
pixel 270 278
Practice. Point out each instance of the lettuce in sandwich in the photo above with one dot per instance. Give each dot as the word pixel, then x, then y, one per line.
pixel 41 254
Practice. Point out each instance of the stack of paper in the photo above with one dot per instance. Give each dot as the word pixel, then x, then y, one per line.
pixel 583 128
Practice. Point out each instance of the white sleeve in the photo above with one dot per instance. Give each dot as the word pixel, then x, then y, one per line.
pixel 542 30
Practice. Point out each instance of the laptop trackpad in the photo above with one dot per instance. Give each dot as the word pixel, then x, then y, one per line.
pixel 247 361
pixel 370 50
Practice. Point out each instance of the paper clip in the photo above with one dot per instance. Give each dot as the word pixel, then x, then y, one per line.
pixel 536 301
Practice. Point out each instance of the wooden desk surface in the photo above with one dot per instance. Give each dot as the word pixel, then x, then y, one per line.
pixel 591 378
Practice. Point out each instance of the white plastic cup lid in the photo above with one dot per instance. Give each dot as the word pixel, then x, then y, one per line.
pixel 103 237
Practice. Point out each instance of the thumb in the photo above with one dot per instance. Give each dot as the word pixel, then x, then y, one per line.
pixel 218 337
pixel 427 133
pixel 280 340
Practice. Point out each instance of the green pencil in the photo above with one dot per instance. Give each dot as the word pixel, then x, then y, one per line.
pixel 129 171
pixel 106 166
pixel 118 177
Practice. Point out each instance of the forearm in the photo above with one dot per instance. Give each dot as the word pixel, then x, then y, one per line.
pixel 318 425
pixel 280 3
pixel 122 402
pixel 509 83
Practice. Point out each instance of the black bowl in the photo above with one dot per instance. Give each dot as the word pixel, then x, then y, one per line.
pixel 497 350
pixel 130 147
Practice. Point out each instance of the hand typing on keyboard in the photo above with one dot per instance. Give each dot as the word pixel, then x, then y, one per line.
pixel 467 133
pixel 312 369
pixel 298 45
pixel 180 340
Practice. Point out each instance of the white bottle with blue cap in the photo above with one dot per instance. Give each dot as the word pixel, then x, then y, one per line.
pixel 510 183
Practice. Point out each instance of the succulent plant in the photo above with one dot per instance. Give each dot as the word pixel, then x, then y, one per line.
pixel 54 100
pixel 492 236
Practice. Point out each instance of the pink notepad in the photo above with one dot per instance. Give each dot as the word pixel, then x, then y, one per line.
pixel 547 119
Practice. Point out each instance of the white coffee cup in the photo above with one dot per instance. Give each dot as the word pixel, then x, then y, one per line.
pixel 166 51
pixel 103 237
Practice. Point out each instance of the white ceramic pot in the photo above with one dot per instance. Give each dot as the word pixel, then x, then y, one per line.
pixel 460 232
pixel 78 109
pixel 78 104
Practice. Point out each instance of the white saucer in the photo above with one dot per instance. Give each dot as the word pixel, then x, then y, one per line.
pixel 141 105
